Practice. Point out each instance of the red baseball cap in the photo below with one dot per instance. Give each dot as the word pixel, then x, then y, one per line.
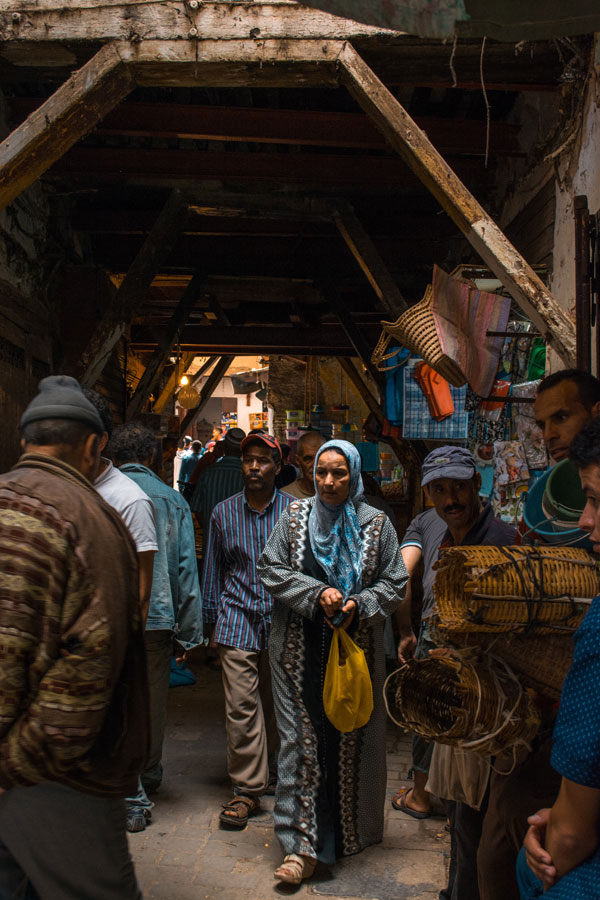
pixel 271 442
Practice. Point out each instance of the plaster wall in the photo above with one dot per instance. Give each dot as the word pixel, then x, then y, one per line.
pixel 578 172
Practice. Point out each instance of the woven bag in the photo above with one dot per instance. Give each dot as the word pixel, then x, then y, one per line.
pixel 542 590
pixel 416 329
pixel 477 705
pixel 540 662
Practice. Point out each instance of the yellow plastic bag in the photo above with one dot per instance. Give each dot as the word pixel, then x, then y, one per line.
pixel 347 690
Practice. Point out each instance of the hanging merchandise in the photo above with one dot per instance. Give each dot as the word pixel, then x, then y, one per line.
pixel 436 390
pixel 511 477
pixel 489 422
pixel 525 428
pixel 449 329
pixel 369 455
pixel 537 360
pixel 418 422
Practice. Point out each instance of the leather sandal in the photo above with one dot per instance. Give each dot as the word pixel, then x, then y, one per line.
pixel 295 868
pixel 241 809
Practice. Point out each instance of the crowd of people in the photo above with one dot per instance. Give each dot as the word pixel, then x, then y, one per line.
pixel 100 589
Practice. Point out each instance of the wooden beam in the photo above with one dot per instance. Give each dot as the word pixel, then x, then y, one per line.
pixel 202 370
pixel 256 23
pixel 187 167
pixel 133 290
pixel 328 340
pixel 212 381
pixel 367 256
pixel 69 114
pixel 302 127
pixel 166 340
pixel 478 227
pixel 173 382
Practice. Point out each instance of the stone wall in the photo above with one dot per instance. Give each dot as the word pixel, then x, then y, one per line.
pixel 288 388
pixel 26 322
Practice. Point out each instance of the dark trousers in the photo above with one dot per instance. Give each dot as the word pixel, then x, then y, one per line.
pixel 466 825
pixel 61 844
pixel 531 786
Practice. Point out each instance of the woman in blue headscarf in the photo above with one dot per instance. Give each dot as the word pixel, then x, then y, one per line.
pixel 329 553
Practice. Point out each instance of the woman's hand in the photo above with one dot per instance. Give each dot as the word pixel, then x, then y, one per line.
pixel 349 608
pixel 538 859
pixel 331 600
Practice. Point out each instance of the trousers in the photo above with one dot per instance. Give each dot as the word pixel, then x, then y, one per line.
pixel 60 844
pixel 252 738
pixel 531 786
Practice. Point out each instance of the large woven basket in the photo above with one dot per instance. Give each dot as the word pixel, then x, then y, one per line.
pixel 540 662
pixel 479 706
pixel 416 329
pixel 539 590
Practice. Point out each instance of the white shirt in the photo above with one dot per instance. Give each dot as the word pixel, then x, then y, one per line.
pixel 133 505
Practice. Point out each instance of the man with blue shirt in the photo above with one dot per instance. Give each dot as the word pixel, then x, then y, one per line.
pixel 239 609
pixel 563 846
pixel 175 610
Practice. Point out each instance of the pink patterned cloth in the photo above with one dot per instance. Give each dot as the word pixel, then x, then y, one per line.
pixel 463 316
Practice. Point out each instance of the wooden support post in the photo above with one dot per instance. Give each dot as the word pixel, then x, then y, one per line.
pixel 478 227
pixel 203 368
pixel 132 290
pixel 69 114
pixel 167 337
pixel 582 284
pixel 354 334
pixel 212 381
pixel 171 386
pixel 367 256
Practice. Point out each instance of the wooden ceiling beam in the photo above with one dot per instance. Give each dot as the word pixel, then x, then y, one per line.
pixel 206 393
pixel 478 227
pixel 286 126
pixel 69 114
pixel 166 340
pixel 211 340
pixel 132 291
pixel 137 165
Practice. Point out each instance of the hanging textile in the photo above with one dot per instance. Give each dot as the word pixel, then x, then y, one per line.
pixel 463 317
pixel 393 366
pixel 524 426
pixel 418 422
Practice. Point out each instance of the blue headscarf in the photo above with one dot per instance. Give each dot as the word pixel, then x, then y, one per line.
pixel 334 530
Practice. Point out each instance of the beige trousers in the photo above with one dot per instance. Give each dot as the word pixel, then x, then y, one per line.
pixel 252 739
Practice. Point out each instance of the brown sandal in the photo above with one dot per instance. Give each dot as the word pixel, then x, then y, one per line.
pixel 241 810
pixel 295 868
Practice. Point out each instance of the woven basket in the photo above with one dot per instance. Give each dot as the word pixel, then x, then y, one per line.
pixel 540 662
pixel 518 589
pixel 478 706
pixel 416 329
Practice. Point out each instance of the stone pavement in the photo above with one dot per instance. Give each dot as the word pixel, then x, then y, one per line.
pixel 184 855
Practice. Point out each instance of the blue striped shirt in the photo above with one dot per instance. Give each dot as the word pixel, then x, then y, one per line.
pixel 232 592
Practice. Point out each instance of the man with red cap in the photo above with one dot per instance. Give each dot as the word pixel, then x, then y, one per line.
pixel 238 608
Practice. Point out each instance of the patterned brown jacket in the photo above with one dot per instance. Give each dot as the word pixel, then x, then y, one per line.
pixel 73 692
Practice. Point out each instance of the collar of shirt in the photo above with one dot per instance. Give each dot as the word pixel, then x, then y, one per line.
pixel 260 512
pixel 477 532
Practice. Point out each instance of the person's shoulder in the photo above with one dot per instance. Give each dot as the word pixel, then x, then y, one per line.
pixel 236 501
pixel 128 486
pixel 502 533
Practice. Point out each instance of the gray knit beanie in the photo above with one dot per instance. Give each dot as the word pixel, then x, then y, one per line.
pixel 61 397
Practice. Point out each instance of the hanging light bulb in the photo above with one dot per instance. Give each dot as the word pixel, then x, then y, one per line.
pixel 184 380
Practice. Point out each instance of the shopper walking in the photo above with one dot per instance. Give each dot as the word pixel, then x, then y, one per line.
pixel 328 553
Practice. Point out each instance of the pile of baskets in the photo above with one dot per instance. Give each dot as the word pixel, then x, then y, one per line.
pixel 477 705
pixel 542 590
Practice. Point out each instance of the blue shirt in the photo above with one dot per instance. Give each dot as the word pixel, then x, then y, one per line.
pixel 189 461
pixel 175 601
pixel 576 744
pixel 234 597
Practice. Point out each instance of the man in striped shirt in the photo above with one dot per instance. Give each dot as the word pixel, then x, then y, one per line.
pixel 239 607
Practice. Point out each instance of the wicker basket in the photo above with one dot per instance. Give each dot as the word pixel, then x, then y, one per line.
pixel 540 662
pixel 478 706
pixel 416 329
pixel 518 589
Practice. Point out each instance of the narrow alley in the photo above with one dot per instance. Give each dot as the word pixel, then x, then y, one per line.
pixel 184 855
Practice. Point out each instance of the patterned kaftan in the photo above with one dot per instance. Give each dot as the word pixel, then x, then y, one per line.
pixel 331 786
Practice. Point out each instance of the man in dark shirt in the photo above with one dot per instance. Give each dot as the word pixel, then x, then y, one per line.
pixel 459 517
pixel 220 481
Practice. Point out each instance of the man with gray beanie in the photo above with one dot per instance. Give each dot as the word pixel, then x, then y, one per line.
pixel 452 482
pixel 73 691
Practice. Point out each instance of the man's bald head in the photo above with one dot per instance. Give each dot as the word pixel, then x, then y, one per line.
pixel 306 450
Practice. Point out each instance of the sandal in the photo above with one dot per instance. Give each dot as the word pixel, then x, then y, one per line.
pixel 295 868
pixel 399 803
pixel 241 810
